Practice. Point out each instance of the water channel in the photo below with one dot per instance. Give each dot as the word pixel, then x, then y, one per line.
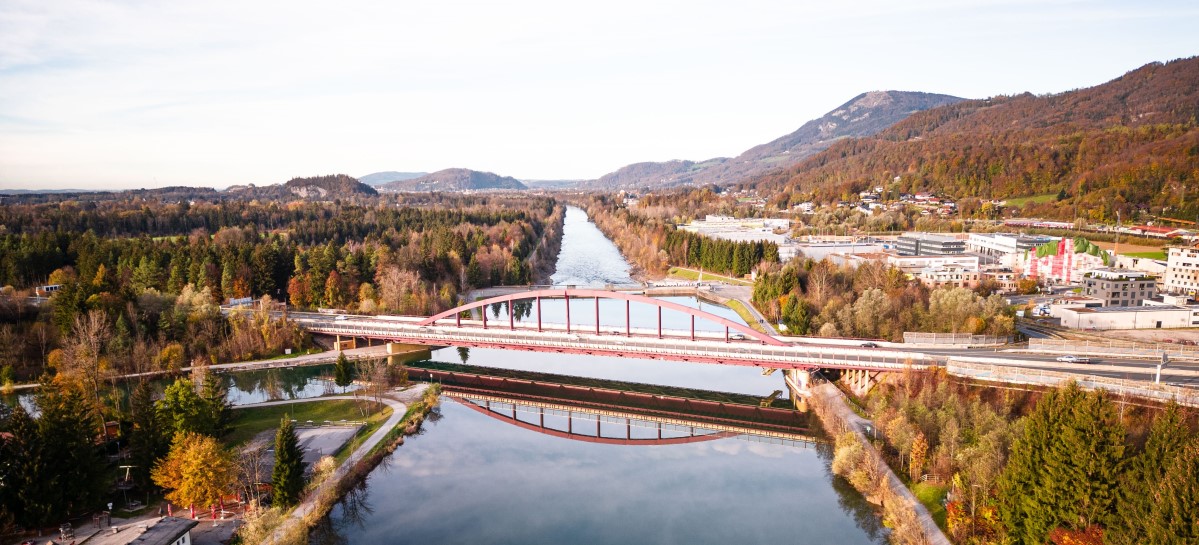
pixel 473 478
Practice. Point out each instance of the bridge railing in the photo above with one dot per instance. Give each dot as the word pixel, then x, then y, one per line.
pixel 760 354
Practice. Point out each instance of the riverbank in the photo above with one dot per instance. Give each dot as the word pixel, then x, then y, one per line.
pixel 856 459
pixel 409 408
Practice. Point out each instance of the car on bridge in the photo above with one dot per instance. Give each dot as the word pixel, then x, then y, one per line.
pixel 1071 358
pixel 870 345
pixel 737 337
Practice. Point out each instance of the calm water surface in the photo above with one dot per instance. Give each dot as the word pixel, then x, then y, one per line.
pixel 470 478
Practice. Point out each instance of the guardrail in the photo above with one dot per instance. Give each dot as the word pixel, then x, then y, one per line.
pixel 758 354
pixel 1015 375
pixel 1115 348
pixel 954 339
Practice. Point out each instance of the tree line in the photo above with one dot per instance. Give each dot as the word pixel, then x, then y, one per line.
pixel 1065 467
pixel 654 245
pixel 872 300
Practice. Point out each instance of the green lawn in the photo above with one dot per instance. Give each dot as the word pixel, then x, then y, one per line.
pixel 745 314
pixel 250 421
pixel 688 274
pixel 1160 254
pixel 1034 199
pixel 931 496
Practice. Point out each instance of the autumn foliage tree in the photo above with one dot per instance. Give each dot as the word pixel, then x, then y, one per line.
pixel 197 471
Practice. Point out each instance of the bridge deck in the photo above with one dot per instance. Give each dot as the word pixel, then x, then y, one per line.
pixel 705 348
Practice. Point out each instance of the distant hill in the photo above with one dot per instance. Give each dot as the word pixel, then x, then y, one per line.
pixel 380 178
pixel 865 114
pixel 455 179
pixel 551 184
pixel 331 186
pixel 1131 144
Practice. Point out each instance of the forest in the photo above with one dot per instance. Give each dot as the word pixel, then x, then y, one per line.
pixel 1064 466
pixel 134 287
pixel 144 278
pixel 874 301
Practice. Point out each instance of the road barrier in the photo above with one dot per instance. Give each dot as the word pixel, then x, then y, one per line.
pixel 1036 377
pixel 1115 348
pixel 954 339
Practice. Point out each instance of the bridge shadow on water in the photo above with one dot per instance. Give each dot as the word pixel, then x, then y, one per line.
pixel 617 412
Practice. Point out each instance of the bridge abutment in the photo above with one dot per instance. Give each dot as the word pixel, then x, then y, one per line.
pixel 401 353
pixel 799 382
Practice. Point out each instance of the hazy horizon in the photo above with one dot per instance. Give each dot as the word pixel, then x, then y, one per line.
pixel 119 95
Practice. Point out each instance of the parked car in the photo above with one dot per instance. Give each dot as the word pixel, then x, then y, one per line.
pixel 1071 358
pixel 869 345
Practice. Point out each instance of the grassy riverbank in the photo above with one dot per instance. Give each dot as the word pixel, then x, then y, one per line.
pixel 746 315
pixel 693 275
pixel 250 421
pixel 287 527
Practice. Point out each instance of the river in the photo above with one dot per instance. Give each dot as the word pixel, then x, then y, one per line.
pixel 474 478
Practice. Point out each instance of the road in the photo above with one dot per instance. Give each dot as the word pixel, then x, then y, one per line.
pixel 822 352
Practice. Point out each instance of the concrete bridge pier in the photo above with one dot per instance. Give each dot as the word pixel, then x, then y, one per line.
pixel 859 381
pixel 799 383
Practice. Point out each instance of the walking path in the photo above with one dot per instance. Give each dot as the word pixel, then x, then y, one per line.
pixel 832 398
pixel 398 409
pixel 306 359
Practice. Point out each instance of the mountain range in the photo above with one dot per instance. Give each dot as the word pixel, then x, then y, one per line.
pixel 864 115
pixel 1129 145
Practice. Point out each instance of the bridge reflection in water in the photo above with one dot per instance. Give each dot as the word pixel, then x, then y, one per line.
pixel 616 413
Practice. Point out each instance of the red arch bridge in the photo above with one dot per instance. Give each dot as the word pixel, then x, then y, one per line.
pixel 738 344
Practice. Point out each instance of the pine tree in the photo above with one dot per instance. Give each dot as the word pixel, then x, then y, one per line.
pixel 1140 488
pixel 343 373
pixel 73 474
pixel 216 405
pixel 149 439
pixel 1175 517
pixel 287 479
pixel 1064 466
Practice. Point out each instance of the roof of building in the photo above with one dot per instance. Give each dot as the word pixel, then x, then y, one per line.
pixel 1105 310
pixel 933 237
pixel 163 531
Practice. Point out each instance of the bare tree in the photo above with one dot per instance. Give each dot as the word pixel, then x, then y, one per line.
pixel 84 361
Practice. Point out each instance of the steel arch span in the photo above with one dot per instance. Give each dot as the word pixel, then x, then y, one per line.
pixel 628 298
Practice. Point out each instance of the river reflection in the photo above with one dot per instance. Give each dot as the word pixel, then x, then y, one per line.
pixel 719 378
pixel 472 479
pixel 243 387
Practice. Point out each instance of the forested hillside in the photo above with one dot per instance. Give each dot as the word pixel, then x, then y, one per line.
pixel 863 115
pixel 455 179
pixel 1129 145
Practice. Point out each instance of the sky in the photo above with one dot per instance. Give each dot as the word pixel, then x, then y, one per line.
pixel 107 95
